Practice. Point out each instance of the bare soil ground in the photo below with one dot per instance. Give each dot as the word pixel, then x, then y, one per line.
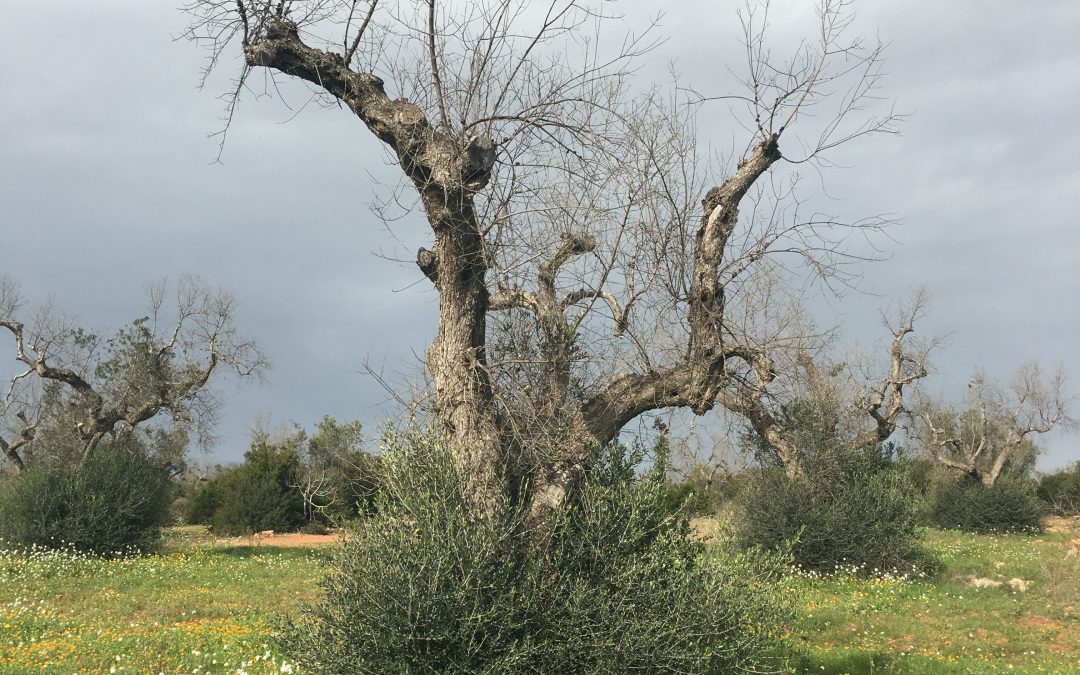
pixel 285 540
pixel 199 536
pixel 1067 525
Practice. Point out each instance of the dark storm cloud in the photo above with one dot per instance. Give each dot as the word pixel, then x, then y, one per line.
pixel 107 182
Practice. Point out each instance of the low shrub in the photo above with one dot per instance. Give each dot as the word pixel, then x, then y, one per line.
pixel 1061 491
pixel 203 502
pixel 706 492
pixel 852 509
pixel 116 502
pixel 427 586
pixel 315 527
pixel 260 494
pixel 1009 505
pixel 692 496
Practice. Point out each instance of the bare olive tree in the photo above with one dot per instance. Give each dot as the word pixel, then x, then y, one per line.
pixel 89 387
pixel 834 395
pixel 995 427
pixel 592 263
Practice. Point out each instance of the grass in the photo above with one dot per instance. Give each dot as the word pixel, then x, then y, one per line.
pixel 192 608
pixel 199 607
pixel 891 624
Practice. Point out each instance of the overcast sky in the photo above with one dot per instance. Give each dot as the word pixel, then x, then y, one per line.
pixel 107 181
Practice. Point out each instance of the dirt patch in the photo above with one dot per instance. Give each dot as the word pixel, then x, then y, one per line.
pixel 904 644
pixel 1039 621
pixel 1063 525
pixel 280 540
pixel 705 529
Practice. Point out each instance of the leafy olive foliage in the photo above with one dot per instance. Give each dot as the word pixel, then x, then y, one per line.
pixel 1009 505
pixel 115 501
pixel 614 585
pixel 338 478
pixel 854 509
pixel 1061 491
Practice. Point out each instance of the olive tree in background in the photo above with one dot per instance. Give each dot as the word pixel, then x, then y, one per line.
pixel 994 430
pixel 72 388
pixel 338 479
pixel 592 262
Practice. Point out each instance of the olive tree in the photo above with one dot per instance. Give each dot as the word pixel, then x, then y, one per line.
pixel 996 426
pixel 80 387
pixel 593 262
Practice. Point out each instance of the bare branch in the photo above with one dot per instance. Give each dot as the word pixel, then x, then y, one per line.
pixel 512 298
pixel 435 80
pixel 577 296
pixel 350 49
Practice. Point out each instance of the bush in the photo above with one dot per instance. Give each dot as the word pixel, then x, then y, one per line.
pixel 1061 491
pixel 427 587
pixel 315 527
pixel 203 503
pixel 855 509
pixel 117 501
pixel 690 495
pixel 703 493
pixel 1009 505
pixel 258 495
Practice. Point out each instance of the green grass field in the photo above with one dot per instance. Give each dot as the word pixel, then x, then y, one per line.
pixel 199 607
pixel 941 625
pixel 192 608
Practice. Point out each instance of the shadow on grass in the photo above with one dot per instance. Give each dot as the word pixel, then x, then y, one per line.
pixel 868 662
pixel 291 552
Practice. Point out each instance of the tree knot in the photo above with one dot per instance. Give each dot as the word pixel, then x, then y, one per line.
pixel 428 264
pixel 479 159
pixel 770 147
pixel 282 29
pixel 713 198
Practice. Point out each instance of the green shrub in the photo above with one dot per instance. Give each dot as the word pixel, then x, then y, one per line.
pixel 704 492
pixel 117 501
pixel 203 503
pixel 1061 491
pixel 260 494
pixel 684 494
pixel 347 475
pixel 427 587
pixel 314 527
pixel 852 509
pixel 925 474
pixel 1009 505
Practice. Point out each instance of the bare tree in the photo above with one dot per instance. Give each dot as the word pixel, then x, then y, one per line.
pixel 89 387
pixel 830 395
pixel 336 476
pixel 996 426
pixel 580 217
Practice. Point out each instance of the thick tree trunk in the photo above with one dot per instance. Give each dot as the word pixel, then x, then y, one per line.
pixel 464 403
pixel 446 173
pixel 989 476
